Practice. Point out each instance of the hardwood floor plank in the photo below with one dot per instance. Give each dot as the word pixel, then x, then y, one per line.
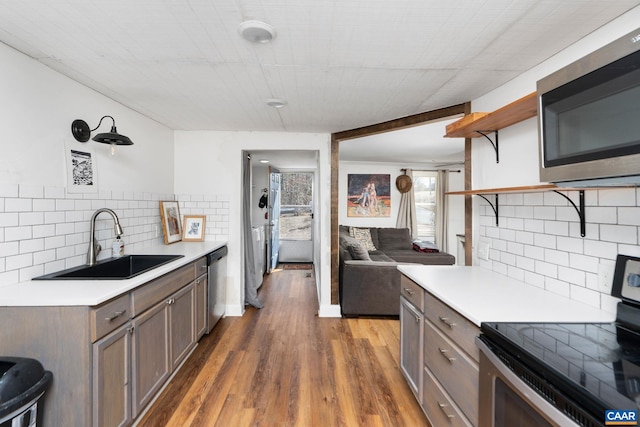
pixel 282 365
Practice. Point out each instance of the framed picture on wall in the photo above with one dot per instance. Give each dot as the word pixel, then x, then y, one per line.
pixel 368 195
pixel 171 225
pixel 193 228
pixel 82 176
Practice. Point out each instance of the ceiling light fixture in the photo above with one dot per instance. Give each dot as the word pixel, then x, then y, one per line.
pixel 256 31
pixel 276 102
pixel 264 161
pixel 81 132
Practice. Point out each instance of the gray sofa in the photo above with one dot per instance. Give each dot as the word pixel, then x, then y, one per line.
pixel 369 279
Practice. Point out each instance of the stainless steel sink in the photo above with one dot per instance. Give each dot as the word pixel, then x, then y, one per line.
pixel 112 269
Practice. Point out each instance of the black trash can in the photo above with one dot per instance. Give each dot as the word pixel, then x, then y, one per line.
pixel 23 382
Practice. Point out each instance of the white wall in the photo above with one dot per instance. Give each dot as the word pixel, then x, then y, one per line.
pixel 538 239
pixel 44 228
pixel 216 168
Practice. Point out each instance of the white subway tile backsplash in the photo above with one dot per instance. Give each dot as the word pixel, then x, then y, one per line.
pixel 16 262
pixel 547 269
pixel 557 286
pixel 44 229
pixel 556 257
pixel 18 205
pixel 31 218
pixel 542 231
pixel 544 212
pixel 559 228
pixel 570 244
pixel 629 216
pixel 17 233
pixel 600 249
pixel 583 262
pixel 11 219
pixel 618 233
pixel 9 190
pixel 26 191
pixel 31 245
pixel 572 276
pixel 617 197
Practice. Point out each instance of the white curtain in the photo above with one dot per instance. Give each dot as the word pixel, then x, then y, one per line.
pixel 442 210
pixel 407 212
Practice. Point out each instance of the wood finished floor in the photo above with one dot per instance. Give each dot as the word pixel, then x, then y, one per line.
pixel 284 366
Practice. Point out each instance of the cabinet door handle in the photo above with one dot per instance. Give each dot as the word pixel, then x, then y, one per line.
pixel 446 321
pixel 409 291
pixel 115 315
pixel 444 354
pixel 442 408
pixel 130 330
pixel 417 318
pixel 170 301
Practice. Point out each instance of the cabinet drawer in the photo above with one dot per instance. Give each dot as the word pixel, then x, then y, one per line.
pixel 146 296
pixel 453 325
pixel 108 316
pixel 454 369
pixel 440 410
pixel 412 292
pixel 200 266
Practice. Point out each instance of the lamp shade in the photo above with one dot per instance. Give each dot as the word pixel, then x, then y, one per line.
pixel 112 137
pixel 82 133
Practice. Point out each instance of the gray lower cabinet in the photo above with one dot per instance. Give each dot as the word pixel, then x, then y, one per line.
pixel 411 334
pixel 112 378
pixel 163 336
pixel 109 361
pixel 439 357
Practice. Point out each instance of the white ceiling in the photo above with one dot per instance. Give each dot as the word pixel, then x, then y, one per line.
pixel 339 64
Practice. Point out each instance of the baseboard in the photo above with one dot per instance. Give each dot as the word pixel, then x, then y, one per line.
pixel 330 311
pixel 234 310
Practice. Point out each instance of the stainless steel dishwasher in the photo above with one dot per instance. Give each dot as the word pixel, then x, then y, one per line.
pixel 217 286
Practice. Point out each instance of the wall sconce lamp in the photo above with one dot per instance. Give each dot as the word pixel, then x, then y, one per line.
pixel 82 133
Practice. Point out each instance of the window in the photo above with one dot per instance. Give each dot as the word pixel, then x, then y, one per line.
pixel 295 205
pixel 425 184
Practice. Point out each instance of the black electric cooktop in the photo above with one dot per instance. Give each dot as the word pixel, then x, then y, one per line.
pixel 596 365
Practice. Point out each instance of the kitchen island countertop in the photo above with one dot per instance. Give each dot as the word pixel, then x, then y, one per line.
pixel 481 295
pixel 94 292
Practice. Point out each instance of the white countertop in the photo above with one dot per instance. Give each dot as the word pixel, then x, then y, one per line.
pixel 94 292
pixel 481 295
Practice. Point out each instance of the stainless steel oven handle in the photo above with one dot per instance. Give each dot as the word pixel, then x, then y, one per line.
pixel 537 402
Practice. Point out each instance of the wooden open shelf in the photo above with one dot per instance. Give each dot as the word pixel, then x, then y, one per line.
pixel 468 126
pixel 523 189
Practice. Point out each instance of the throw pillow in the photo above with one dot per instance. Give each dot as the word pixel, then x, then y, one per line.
pixel 358 252
pixel 363 236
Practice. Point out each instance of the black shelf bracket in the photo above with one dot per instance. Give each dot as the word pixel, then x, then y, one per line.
pixel 580 209
pixel 493 144
pixel 494 206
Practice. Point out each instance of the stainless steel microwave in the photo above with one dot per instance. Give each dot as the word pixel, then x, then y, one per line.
pixel 589 118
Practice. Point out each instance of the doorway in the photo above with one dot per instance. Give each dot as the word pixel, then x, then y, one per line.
pixel 296 216
pixel 286 215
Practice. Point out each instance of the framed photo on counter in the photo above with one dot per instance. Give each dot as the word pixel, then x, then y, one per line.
pixel 193 228
pixel 171 225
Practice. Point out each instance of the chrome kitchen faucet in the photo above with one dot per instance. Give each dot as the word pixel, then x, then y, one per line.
pixel 94 246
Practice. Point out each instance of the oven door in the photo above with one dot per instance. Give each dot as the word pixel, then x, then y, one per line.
pixel 506 401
